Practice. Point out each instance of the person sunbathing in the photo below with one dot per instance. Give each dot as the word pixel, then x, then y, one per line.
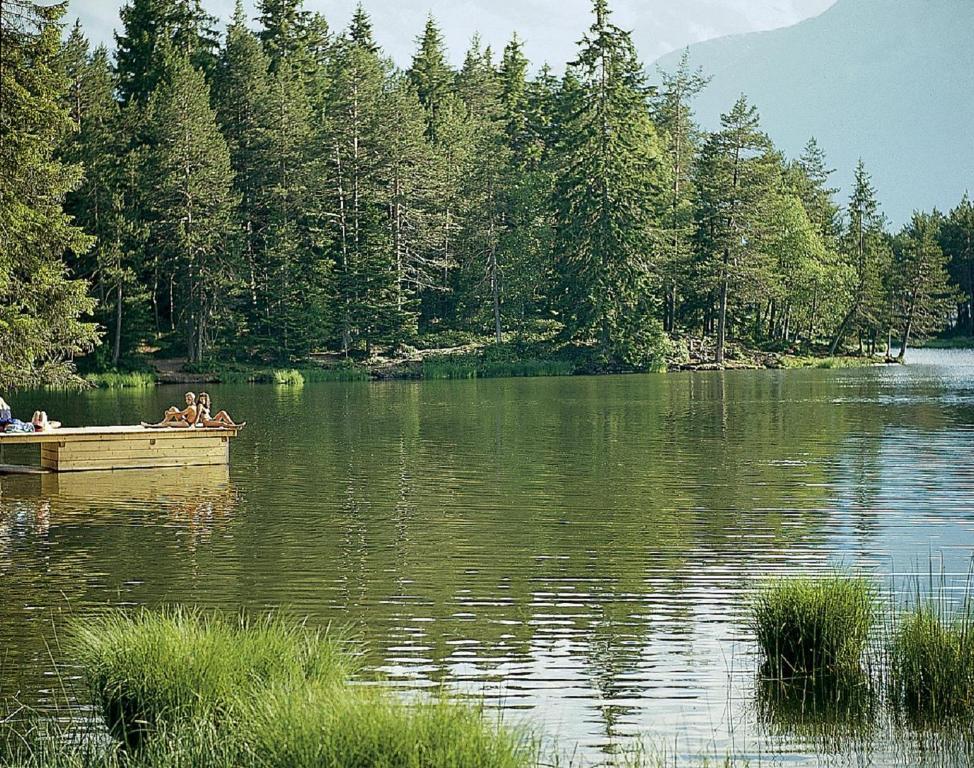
pixel 42 423
pixel 221 419
pixel 176 418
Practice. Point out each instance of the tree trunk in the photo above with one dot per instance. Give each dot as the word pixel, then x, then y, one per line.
pixel 117 348
pixel 722 314
pixel 908 327
pixel 843 329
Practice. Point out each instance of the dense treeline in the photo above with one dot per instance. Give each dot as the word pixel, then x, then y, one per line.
pixel 265 194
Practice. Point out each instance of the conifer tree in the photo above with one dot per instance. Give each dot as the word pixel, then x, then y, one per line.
pixel 736 174
pixel 926 296
pixel 284 25
pixel 41 306
pixel 866 255
pixel 150 27
pixel 369 307
pixel 957 241
pixel 96 143
pixel 241 96
pixel 607 199
pixel 673 115
pixel 431 74
pixel 192 205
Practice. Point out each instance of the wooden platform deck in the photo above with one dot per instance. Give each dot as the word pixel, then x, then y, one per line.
pixel 77 449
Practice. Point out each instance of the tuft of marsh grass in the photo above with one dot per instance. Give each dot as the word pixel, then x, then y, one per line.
pixel 115 380
pixel 322 725
pixel 931 658
pixel 814 626
pixel 152 669
pixel 288 377
pixel 474 367
pixel 343 372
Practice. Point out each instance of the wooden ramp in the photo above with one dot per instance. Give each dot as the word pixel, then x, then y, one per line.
pixel 100 448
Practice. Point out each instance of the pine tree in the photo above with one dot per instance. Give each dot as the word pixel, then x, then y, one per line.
pixel 98 205
pixel 291 275
pixel 151 26
pixel 40 305
pixel 673 115
pixel 926 296
pixel 607 198
pixel 405 179
pixel 957 241
pixel 484 192
pixel 736 174
pixel 867 254
pixel 284 26
pixel 192 205
pixel 369 307
pixel 431 74
pixel 241 96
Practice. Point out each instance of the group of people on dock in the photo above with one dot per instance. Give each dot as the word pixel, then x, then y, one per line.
pixel 38 422
pixel 197 413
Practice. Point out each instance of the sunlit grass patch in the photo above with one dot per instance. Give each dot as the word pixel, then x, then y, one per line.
pixel 118 380
pixel 344 372
pixel 149 668
pixel 814 626
pixel 362 726
pixel 931 659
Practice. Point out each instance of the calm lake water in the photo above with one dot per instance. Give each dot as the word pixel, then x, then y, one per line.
pixel 579 551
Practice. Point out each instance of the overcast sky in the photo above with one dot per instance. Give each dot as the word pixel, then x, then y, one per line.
pixel 550 28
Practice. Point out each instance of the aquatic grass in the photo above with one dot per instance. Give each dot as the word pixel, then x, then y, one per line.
pixel 343 372
pixel 931 660
pixel 474 367
pixel 365 726
pixel 162 668
pixel 814 626
pixel 455 367
pixel 119 380
pixel 288 377
pixel 829 363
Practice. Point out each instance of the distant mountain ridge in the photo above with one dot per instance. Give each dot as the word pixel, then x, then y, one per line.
pixel 891 81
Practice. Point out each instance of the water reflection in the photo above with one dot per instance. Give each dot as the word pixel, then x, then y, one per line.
pixel 579 550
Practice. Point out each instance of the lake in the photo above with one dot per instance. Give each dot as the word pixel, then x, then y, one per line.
pixel 579 551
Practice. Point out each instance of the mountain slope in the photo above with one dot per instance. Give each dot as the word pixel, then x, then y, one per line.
pixel 889 80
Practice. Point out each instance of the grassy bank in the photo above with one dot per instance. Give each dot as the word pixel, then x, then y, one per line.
pixel 182 688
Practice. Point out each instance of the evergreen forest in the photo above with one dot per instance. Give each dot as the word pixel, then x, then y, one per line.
pixel 280 189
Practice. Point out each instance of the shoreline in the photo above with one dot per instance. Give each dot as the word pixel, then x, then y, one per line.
pixel 454 365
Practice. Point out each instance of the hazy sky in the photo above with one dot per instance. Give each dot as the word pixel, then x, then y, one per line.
pixel 550 28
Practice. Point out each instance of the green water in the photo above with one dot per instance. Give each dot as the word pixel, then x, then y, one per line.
pixel 578 551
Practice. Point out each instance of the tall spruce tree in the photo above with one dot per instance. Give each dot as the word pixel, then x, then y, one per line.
pixel 152 27
pixel 926 297
pixel 736 174
pixel 241 96
pixel 431 74
pixel 866 255
pixel 40 305
pixel 672 112
pixel 192 206
pixel 957 241
pixel 98 205
pixel 284 25
pixel 369 307
pixel 607 198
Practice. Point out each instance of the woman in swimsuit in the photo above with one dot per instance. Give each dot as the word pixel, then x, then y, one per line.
pixel 222 419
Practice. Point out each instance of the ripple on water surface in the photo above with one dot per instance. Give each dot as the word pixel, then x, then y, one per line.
pixel 578 550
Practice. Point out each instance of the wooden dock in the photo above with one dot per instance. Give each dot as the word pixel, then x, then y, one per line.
pixel 99 448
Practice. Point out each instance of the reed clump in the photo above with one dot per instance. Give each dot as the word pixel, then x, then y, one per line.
pixel 931 658
pixel 121 380
pixel 153 669
pixel 360 726
pixel 814 626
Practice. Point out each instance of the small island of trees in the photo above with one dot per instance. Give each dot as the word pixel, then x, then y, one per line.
pixel 277 192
